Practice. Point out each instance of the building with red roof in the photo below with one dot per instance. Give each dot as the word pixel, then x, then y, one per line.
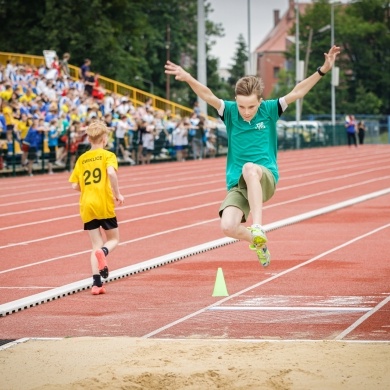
pixel 270 54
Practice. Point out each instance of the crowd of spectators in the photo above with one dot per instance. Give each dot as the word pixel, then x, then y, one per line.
pixel 44 114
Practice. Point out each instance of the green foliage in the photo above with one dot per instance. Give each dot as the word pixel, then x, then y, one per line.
pixel 237 70
pixel 123 39
pixel 362 29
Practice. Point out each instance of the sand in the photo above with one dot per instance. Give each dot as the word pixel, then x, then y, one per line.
pixel 134 363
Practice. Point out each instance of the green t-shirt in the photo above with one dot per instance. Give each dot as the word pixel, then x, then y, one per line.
pixel 255 141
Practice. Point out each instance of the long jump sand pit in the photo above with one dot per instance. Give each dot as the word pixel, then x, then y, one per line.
pixel 135 363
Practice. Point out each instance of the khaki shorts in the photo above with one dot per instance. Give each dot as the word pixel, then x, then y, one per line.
pixel 238 195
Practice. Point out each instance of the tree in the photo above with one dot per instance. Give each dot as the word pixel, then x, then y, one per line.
pixel 237 70
pixel 123 39
pixel 362 29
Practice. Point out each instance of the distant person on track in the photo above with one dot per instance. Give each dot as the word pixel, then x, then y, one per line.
pixel 361 127
pixel 95 177
pixel 251 168
pixel 350 126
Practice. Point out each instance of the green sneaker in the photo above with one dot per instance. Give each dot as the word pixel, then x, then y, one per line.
pixel 259 239
pixel 262 254
pixel 258 236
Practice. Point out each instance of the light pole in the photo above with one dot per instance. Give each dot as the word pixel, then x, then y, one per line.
pixel 334 82
pixel 333 91
pixel 249 38
pixel 146 81
pixel 297 102
pixel 202 68
pixel 168 47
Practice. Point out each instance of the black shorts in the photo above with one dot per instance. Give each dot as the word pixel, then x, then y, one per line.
pixel 106 224
pixel 52 154
pixel 61 143
pixel 121 141
pixel 32 154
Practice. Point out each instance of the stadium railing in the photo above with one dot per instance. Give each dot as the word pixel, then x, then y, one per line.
pixel 137 96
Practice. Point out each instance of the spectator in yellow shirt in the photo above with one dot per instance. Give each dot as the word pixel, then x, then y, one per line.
pixel 6 95
pixel 9 119
pixel 28 96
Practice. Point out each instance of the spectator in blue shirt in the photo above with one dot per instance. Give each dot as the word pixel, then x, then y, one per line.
pixel 34 140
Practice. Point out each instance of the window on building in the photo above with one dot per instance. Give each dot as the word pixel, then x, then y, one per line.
pixel 276 72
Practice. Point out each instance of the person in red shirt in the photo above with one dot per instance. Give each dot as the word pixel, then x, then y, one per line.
pixel 56 65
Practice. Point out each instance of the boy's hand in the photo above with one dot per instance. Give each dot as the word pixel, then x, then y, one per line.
pixel 177 71
pixel 330 58
pixel 120 199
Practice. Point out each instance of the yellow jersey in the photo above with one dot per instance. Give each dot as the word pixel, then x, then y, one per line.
pixel 22 127
pixel 96 198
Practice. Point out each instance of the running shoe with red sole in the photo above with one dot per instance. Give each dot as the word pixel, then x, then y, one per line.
pixel 102 264
pixel 96 290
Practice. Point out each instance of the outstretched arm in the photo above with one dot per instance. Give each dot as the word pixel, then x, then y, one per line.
pixel 201 90
pixel 302 88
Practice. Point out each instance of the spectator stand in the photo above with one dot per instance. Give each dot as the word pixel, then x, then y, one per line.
pixel 88 108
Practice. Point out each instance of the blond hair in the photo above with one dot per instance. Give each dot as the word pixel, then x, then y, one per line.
pixel 249 85
pixel 96 130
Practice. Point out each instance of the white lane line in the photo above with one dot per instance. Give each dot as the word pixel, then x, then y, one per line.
pixel 56 293
pixel 118 209
pixel 266 207
pixel 363 318
pixel 287 271
pixel 122 221
pixel 268 227
pixel 325 192
pixel 287 308
pixel 184 186
pixel 22 243
pixel 131 185
pixel 81 285
pixel 120 244
pixel 308 183
pixel 221 189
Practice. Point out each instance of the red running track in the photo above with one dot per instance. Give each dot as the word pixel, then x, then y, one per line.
pixel 328 278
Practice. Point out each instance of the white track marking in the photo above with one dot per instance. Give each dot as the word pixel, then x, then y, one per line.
pixel 34 223
pixel 62 291
pixel 119 208
pixel 132 185
pixel 133 194
pixel 120 244
pixel 326 192
pixel 362 319
pixel 324 180
pixel 270 226
pixel 287 271
pixel 22 243
pixel 123 221
pixel 288 308
pixel 46 296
